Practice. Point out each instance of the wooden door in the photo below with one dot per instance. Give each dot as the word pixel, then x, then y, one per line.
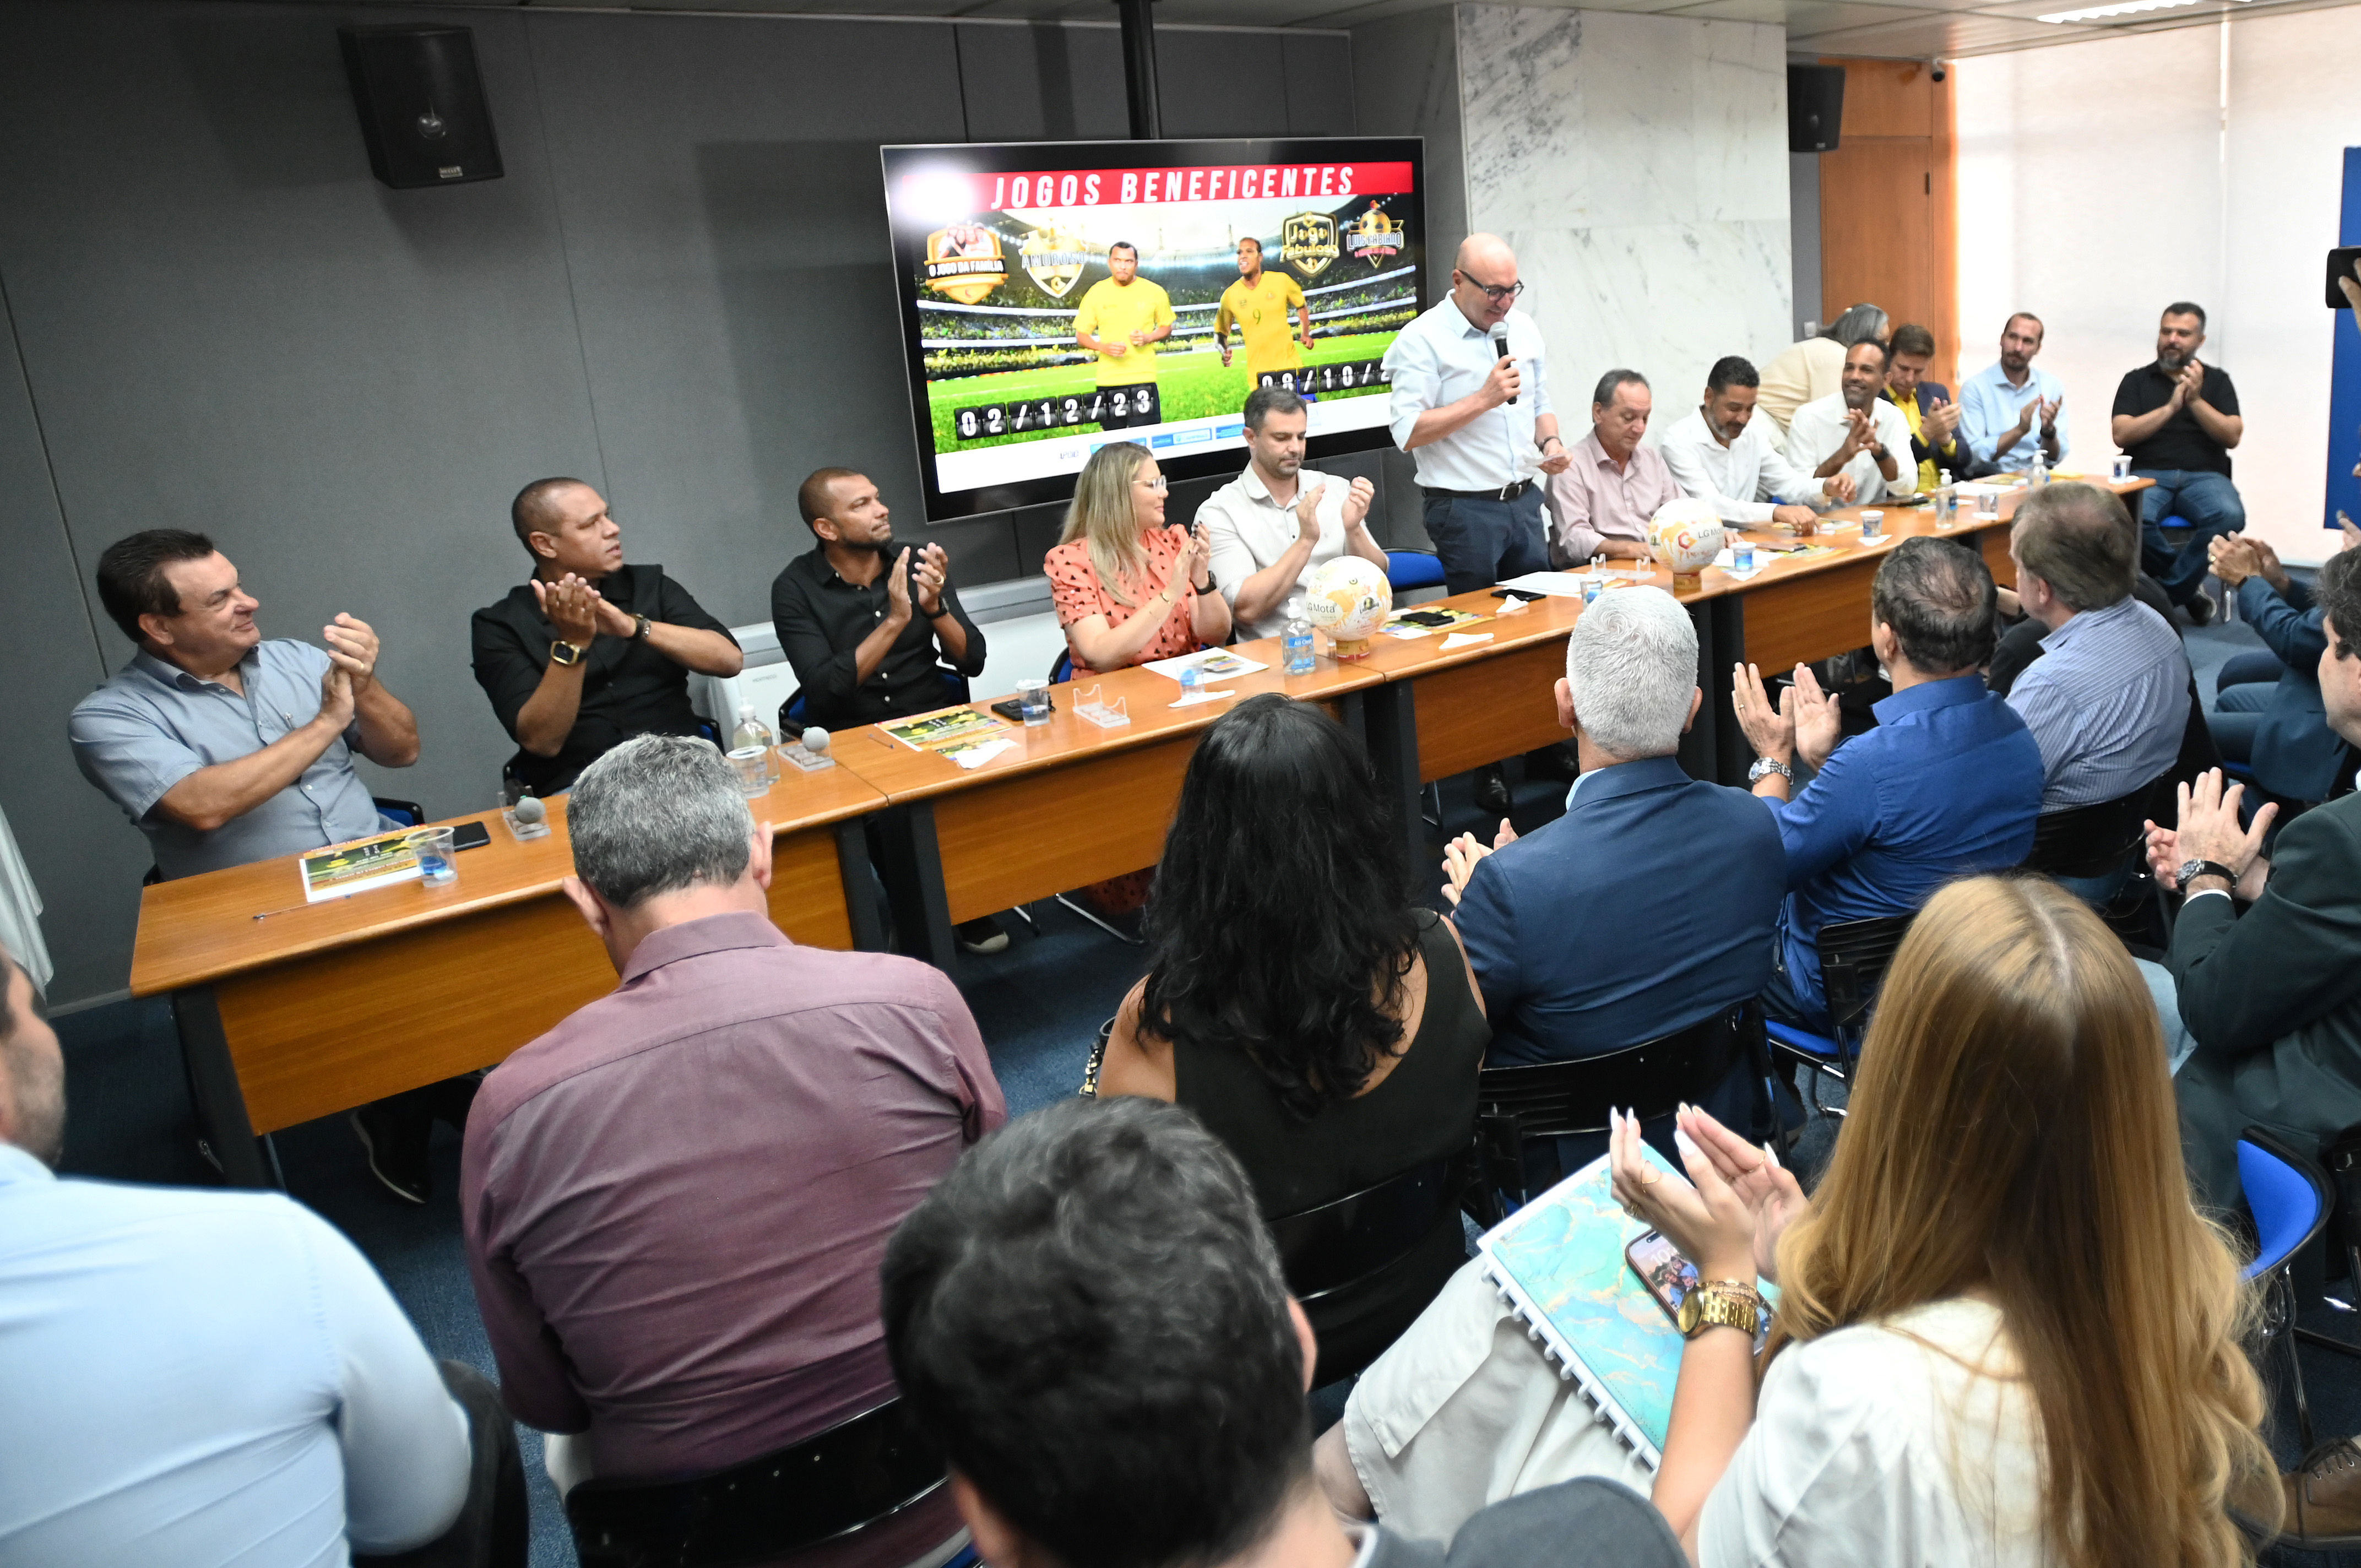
pixel 1887 206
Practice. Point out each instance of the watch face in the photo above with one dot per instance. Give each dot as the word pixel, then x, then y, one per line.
pixel 1692 1304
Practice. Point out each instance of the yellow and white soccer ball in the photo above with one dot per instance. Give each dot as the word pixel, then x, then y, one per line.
pixel 1686 534
pixel 1349 600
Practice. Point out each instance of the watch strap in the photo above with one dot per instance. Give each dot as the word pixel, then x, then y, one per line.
pixel 2192 869
pixel 1765 766
pixel 572 654
pixel 640 624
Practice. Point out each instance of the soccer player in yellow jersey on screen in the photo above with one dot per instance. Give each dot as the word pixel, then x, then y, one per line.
pixel 1257 305
pixel 1121 318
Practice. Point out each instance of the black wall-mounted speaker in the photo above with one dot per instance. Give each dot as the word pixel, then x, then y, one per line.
pixel 421 104
pixel 1815 107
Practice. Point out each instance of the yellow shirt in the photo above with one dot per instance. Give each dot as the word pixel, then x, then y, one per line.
pixel 1927 474
pixel 1111 312
pixel 1260 315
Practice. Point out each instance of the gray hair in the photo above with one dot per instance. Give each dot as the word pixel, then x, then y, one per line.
pixel 1631 666
pixel 1859 324
pixel 657 815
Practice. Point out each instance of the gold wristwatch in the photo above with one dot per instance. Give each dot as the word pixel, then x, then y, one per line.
pixel 1723 1303
pixel 564 652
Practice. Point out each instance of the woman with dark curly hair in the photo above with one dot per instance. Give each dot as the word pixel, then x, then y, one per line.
pixel 1323 1026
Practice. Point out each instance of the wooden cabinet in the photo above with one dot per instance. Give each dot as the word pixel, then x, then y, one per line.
pixel 1888 205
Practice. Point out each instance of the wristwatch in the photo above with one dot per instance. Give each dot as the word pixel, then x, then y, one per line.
pixel 1765 766
pixel 639 629
pixel 564 652
pixel 1721 1303
pixel 2192 869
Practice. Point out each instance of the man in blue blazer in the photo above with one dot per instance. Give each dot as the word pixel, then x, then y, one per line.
pixel 2270 713
pixel 1649 906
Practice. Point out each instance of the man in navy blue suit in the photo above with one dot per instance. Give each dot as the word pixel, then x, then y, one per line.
pixel 1649 906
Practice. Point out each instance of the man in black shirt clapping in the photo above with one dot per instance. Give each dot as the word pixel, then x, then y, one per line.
pixel 2178 418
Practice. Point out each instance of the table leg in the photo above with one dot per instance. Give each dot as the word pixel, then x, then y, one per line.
pixel 1390 714
pixel 213 1089
pixel 860 886
pixel 1714 745
pixel 913 886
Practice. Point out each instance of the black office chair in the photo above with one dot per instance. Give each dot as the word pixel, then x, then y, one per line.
pixel 1854 956
pixel 1552 1100
pixel 1341 1249
pixel 850 1477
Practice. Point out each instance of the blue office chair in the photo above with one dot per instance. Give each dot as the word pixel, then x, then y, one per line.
pixel 408 813
pixel 1413 569
pixel 1061 668
pixel 2290 1197
pixel 1854 956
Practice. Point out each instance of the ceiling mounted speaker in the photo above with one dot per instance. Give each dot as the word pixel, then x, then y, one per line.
pixel 1815 107
pixel 422 106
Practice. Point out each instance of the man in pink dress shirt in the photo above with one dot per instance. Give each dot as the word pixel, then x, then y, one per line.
pixel 1604 499
pixel 676 1202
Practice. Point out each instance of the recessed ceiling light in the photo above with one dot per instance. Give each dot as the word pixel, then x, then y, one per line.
pixel 2122 8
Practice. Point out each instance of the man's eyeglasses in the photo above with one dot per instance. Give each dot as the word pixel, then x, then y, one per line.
pixel 1499 294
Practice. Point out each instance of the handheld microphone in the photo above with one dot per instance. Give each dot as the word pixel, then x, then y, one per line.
pixel 1501 347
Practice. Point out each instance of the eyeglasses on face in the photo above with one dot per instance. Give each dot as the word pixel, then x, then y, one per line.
pixel 1157 484
pixel 1497 293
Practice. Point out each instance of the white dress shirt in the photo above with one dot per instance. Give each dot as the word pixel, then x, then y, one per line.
pixel 199 1376
pixel 1913 1443
pixel 1250 531
pixel 1818 428
pixel 1441 358
pixel 1732 476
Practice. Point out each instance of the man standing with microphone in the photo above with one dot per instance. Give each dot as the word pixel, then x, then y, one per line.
pixel 1471 399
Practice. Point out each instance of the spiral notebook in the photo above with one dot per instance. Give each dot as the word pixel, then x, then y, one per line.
pixel 1559 1261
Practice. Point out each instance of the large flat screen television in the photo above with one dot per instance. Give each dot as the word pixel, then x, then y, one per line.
pixel 1005 257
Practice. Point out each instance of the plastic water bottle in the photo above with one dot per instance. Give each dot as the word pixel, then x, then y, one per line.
pixel 752 731
pixel 1297 640
pixel 2039 474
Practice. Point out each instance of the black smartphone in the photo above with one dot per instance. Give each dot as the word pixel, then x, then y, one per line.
pixel 1526 593
pixel 469 835
pixel 1013 708
pixel 2340 266
pixel 1431 619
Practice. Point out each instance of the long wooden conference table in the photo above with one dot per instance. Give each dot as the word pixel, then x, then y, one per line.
pixel 290 1011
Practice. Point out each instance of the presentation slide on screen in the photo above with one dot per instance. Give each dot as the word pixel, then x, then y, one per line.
pixel 1060 296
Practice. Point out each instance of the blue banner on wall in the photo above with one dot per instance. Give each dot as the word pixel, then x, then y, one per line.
pixel 2345 378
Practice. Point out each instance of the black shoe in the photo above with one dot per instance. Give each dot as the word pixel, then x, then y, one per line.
pixel 983 936
pixel 396 1143
pixel 2200 608
pixel 1492 791
pixel 1556 763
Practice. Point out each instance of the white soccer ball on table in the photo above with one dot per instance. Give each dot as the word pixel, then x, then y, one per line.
pixel 1349 598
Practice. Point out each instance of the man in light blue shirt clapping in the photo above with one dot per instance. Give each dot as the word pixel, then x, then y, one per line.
pixel 2002 405
pixel 202 1377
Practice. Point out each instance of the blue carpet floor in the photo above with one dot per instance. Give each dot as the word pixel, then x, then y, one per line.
pixel 1039 1005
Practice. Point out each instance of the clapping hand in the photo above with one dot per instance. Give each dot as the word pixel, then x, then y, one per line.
pixel 1813 714
pixel 1770 727
pixel 933 571
pixel 2209 829
pixel 1706 1217
pixel 1460 855
pixel 2190 384
pixel 572 606
pixel 897 587
pixel 337 696
pixel 1307 513
pixel 2049 407
pixel 1860 432
pixel 2232 559
pixel 2352 288
pixel 1357 501
pixel 352 647
pixel 1939 421
pixel 2345 525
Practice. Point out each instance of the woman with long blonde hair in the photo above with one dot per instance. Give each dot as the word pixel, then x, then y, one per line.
pixel 1127 588
pixel 2005 1334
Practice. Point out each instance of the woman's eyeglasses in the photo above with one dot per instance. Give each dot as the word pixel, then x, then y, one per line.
pixel 1157 484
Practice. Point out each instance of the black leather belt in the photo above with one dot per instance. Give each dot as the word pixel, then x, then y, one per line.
pixel 1505 493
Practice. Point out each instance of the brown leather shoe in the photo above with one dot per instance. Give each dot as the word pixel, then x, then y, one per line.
pixel 2324 1497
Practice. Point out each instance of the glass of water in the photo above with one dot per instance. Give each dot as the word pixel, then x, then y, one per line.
pixel 438 863
pixel 1033 701
pixel 754 767
pixel 2123 467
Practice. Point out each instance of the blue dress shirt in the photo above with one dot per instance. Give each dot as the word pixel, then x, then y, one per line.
pixel 1646 908
pixel 198 1378
pixel 1989 407
pixel 2107 703
pixel 1441 358
pixel 1946 785
pixel 153 724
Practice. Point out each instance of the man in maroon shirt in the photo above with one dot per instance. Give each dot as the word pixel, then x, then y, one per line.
pixel 677 1201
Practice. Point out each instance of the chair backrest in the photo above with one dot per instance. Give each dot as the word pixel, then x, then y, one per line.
pixel 409 813
pixel 2092 841
pixel 1854 956
pixel 2288 1194
pixel 849 1477
pixel 1061 668
pixel 1333 1247
pixel 1413 569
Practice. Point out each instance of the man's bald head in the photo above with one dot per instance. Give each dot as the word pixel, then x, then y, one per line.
pixel 1485 264
pixel 538 508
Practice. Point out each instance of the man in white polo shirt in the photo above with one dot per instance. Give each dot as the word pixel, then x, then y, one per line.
pixel 1277 522
pixel 1480 425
